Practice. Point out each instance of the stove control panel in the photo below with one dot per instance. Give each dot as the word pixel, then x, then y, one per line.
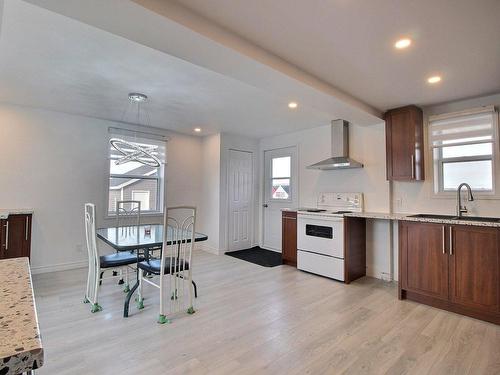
pixel 341 201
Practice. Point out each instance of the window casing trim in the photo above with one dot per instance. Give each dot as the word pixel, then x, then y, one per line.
pixel 160 177
pixel 437 163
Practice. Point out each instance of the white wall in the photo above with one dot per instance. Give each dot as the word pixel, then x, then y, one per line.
pixel 367 145
pixel 208 217
pixel 54 163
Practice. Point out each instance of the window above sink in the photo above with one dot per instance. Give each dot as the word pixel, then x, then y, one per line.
pixel 464 149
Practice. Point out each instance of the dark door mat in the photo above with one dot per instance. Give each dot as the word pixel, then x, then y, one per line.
pixel 259 256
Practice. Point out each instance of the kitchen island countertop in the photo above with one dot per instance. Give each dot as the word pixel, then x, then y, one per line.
pixel 20 344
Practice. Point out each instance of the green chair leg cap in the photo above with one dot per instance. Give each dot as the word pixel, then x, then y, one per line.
pixel 86 300
pixel 126 289
pixel 162 319
pixel 140 304
pixel 191 311
pixel 96 308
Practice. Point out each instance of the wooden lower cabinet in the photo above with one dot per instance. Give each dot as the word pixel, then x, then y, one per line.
pixel 15 236
pixel 474 268
pixel 423 259
pixel 289 238
pixel 453 267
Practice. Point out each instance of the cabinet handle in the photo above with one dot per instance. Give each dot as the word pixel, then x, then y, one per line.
pixel 289 218
pixel 26 233
pixel 451 240
pixel 412 167
pixel 7 236
pixel 444 240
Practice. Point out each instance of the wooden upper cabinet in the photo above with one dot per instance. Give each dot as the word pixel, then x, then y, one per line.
pixel 15 236
pixel 404 132
pixel 475 268
pixel 424 259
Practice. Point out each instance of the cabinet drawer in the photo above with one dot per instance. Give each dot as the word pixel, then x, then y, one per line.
pixel 321 265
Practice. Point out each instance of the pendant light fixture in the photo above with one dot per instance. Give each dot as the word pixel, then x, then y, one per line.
pixel 131 151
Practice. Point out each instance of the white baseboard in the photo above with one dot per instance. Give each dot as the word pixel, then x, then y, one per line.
pixel 271 249
pixel 208 249
pixel 59 267
pixel 377 273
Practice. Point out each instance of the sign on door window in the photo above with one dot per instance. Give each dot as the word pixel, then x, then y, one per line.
pixel 280 176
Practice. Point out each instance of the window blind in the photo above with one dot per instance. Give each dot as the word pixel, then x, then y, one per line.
pixel 463 128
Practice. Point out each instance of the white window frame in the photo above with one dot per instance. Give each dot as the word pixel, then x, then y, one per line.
pixel 437 164
pixel 271 180
pixel 141 192
pixel 117 132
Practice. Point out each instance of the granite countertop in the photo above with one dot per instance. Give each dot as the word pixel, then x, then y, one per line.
pixel 407 217
pixel 376 215
pixel 20 344
pixel 5 212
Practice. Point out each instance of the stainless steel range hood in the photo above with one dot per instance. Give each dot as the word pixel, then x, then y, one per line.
pixel 340 149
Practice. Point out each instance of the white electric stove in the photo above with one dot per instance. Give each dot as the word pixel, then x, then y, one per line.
pixel 320 234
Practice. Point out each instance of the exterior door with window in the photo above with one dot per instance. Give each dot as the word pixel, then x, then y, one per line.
pixel 280 191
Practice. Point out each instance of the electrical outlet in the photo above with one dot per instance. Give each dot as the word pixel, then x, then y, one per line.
pixel 385 276
pixel 399 202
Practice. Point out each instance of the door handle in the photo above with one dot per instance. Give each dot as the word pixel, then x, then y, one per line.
pixel 444 240
pixel 6 235
pixel 265 205
pixel 413 167
pixel 26 232
pixel 451 240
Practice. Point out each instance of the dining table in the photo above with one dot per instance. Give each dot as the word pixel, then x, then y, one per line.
pixel 141 239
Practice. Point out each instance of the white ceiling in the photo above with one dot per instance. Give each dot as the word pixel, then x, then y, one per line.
pixel 51 61
pixel 349 43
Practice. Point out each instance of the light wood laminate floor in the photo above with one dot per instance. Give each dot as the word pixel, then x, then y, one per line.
pixel 256 320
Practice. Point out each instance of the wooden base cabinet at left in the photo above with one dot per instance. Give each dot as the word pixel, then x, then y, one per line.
pixel 15 236
pixel 289 238
pixel 453 267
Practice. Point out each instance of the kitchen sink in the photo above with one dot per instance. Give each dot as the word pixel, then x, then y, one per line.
pixel 479 218
pixel 454 217
pixel 432 216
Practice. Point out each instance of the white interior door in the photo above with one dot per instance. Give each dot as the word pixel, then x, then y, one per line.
pixel 240 181
pixel 280 191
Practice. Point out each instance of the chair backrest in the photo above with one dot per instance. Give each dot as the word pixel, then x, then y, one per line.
pixel 178 238
pixel 90 232
pixel 128 213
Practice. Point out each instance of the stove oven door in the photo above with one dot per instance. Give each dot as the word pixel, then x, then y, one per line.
pixel 321 235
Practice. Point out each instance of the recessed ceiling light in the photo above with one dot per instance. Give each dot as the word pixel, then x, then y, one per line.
pixel 434 79
pixel 292 105
pixel 402 43
pixel 137 97
pixel 197 130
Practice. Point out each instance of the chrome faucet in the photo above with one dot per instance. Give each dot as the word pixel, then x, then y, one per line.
pixel 462 209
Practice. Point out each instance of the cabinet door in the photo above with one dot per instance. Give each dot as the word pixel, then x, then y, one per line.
pixel 474 267
pixel 16 242
pixel 424 259
pixel 3 224
pixel 400 145
pixel 405 144
pixel 289 238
